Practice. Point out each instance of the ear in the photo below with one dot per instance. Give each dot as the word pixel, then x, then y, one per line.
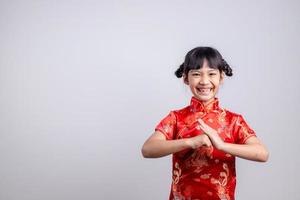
pixel 185 79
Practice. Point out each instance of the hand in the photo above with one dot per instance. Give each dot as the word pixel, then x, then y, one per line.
pixel 212 134
pixel 198 141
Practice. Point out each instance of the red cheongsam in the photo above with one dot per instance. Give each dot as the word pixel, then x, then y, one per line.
pixel 204 173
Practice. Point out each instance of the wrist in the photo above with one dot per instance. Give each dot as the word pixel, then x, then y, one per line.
pixel 223 146
pixel 188 143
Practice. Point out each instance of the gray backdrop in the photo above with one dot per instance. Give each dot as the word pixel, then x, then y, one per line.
pixel 83 83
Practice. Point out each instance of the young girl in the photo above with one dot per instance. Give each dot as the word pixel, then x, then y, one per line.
pixel 203 137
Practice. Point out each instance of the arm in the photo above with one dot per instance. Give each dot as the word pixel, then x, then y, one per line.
pixel 157 146
pixel 253 149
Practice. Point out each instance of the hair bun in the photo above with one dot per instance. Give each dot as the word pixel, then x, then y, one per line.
pixel 226 68
pixel 179 71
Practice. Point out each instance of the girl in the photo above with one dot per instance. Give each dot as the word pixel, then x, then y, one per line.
pixel 203 137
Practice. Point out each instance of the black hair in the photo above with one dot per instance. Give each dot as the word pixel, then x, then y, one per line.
pixel 194 59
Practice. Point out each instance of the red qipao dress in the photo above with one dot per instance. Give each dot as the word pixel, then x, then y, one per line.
pixel 204 173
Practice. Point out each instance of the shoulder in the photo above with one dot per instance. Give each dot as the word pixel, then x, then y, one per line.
pixel 230 113
pixel 235 118
pixel 232 116
pixel 179 114
pixel 182 111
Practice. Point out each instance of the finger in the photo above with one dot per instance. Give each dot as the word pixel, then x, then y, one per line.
pixel 205 132
pixel 208 143
pixel 203 128
pixel 200 127
pixel 203 124
pixel 200 121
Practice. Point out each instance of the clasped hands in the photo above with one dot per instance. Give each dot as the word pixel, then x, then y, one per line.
pixel 209 138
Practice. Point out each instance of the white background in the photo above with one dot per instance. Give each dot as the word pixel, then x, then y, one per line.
pixel 83 84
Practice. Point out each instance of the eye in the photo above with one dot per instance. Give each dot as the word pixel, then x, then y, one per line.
pixel 195 74
pixel 212 74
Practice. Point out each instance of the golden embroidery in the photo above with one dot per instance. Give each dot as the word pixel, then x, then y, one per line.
pixel 167 128
pixel 205 176
pixel 198 159
pixel 176 173
pixel 222 116
pixel 180 132
pixel 209 193
pixel 221 183
pixel 244 129
pixel 245 132
pixel 190 120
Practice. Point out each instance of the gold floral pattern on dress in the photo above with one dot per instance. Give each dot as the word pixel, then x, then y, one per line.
pixel 205 176
pixel 199 158
pixel 221 183
pixel 167 126
pixel 222 116
pixel 209 193
pixel 243 131
pixel 176 173
pixel 210 120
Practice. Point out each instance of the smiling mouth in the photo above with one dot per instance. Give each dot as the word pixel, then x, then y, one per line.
pixel 204 91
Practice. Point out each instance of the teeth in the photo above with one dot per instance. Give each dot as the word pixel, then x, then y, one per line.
pixel 204 90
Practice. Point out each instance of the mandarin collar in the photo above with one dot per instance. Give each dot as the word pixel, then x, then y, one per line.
pixel 198 106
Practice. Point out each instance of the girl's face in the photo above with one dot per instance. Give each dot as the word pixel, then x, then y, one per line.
pixel 204 83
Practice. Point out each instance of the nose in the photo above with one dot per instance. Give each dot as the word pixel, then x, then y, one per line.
pixel 204 80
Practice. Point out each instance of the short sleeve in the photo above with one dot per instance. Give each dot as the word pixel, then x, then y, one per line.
pixel 242 130
pixel 167 125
